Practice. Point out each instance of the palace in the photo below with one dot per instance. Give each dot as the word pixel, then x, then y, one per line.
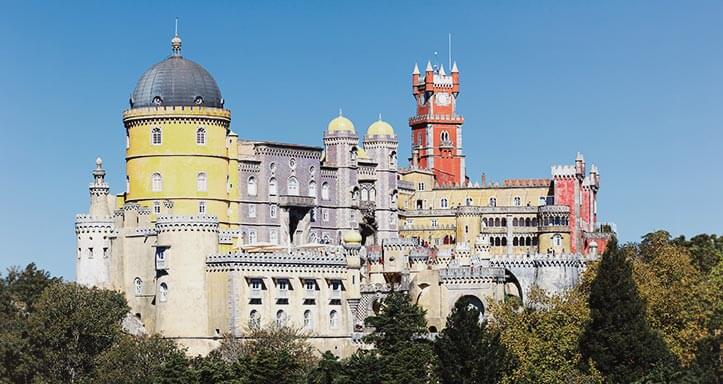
pixel 215 234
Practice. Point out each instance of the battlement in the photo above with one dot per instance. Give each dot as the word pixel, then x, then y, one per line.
pixel 471 273
pixel 563 171
pixel 290 258
pixel 187 223
pixel 554 209
pixel 435 118
pixel 540 260
pixel 85 218
pixel 526 183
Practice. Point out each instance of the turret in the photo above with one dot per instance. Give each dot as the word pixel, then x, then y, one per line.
pixel 99 205
pixel 580 166
pixel 381 145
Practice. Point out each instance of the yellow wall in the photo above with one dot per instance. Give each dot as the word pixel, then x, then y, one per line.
pixel 179 151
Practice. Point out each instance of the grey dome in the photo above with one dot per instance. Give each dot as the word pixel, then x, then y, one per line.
pixel 176 82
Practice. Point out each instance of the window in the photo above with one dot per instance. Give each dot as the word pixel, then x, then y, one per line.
pixel 468 201
pixel 307 319
pixel 252 211
pixel 156 136
pixel 312 169
pixel 364 194
pixel 493 202
pixel 292 163
pixel 292 186
pixel 251 188
pixel 325 191
pixel 273 237
pixel 312 188
pixel 273 188
pixel 201 182
pixel 394 198
pixel 252 237
pixel 420 187
pixel 333 319
pixel 444 136
pixel 163 293
pixel 557 240
pixel 201 207
pixel 254 319
pixel 444 203
pixel 280 318
pixel 393 159
pixel 138 286
pixel 128 184
pixel 256 285
pixel 273 211
pixel 434 223
pixel 517 201
pixel 157 207
pixel 352 154
pixel 156 182
pixel 372 194
pixel 543 200
pixel 200 136
pixel 324 214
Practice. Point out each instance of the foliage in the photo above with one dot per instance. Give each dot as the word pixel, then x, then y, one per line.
pixel 363 367
pixel 543 337
pixel 327 371
pixel 142 359
pixel 468 351
pixel 617 338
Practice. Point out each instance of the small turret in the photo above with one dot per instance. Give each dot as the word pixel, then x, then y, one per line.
pixel 580 166
pixel 99 190
pixel 415 75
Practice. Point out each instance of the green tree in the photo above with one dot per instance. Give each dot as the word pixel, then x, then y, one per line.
pixel 328 371
pixel 618 339
pixel 69 327
pixel 400 339
pixel 363 367
pixel 468 351
pixel 141 359
pixel 544 337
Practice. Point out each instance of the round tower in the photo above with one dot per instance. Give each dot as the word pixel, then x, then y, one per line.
pixel 381 144
pixel 341 146
pixel 178 141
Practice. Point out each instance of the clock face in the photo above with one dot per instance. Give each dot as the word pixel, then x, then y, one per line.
pixel 443 98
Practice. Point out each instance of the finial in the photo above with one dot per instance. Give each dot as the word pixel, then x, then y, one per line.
pixel 176 42
pixel 380 116
pixel 98 162
pixel 340 114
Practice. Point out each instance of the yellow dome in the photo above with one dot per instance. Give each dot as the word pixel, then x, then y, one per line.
pixel 340 124
pixel 361 153
pixel 351 237
pixel 380 128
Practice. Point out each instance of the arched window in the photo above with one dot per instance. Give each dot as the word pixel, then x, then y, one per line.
pixel 557 220
pixel 493 202
pixel 557 240
pixel 528 222
pixel 394 198
pixel 515 242
pixel 163 293
pixel 504 241
pixel 468 201
pixel 444 136
pixel 352 154
pixel 201 207
pixel 393 159
pixel 254 319
pixel 372 194
pixel 514 222
pixel 292 186
pixel 138 286
pixel 251 187
pixel 156 136
pixel 503 222
pixel 497 222
pixel 156 182
pixel 355 194
pixel 157 207
pixel 201 182
pixel 280 318
pixel 312 188
pixel 497 241
pixel 333 319
pixel 528 241
pixel 364 194
pixel 534 221
pixel 517 201
pixel 484 221
pixel 325 191
pixel 128 184
pixel 307 319
pixel 444 203
pixel 273 187
pixel 201 136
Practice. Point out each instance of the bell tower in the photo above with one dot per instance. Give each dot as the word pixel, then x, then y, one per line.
pixel 436 127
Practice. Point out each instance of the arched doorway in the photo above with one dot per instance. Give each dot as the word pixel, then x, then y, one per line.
pixel 475 302
pixel 513 289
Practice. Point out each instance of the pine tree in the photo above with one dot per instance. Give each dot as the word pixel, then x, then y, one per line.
pixel 468 351
pixel 618 339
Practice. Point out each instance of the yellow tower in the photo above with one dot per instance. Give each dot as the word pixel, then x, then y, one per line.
pixel 180 153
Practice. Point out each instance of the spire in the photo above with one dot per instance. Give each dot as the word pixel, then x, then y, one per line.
pixel 579 157
pixel 340 114
pixel 441 70
pixel 176 42
pixel 429 67
pixel 99 173
pixel 454 68
pixel 416 69
pixel 380 116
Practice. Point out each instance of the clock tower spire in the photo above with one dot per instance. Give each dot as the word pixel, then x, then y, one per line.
pixel 436 127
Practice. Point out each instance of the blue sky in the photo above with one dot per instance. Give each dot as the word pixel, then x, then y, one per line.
pixel 635 86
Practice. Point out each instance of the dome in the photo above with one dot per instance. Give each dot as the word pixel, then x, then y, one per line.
pixel 176 81
pixel 380 128
pixel 340 124
pixel 361 153
pixel 351 237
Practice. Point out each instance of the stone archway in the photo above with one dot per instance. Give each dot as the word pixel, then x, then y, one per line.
pixel 475 302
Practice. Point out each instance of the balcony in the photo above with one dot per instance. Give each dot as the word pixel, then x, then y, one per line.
pixel 296 201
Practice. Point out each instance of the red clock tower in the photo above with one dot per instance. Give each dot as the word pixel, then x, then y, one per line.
pixel 436 128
